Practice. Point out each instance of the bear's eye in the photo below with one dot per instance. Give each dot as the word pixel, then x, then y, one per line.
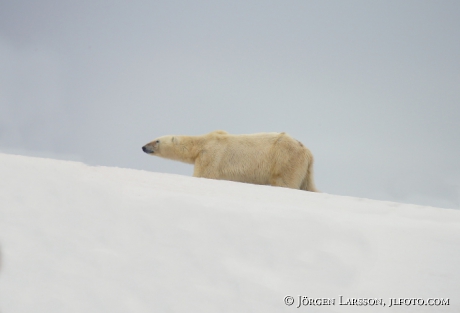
pixel 157 141
pixel 173 139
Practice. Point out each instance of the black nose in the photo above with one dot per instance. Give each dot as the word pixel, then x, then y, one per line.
pixel 147 149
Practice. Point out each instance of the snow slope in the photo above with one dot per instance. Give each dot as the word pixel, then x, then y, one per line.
pixel 76 238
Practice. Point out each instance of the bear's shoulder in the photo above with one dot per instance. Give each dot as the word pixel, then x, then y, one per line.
pixel 219 132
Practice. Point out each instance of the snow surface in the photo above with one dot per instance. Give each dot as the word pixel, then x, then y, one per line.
pixel 76 238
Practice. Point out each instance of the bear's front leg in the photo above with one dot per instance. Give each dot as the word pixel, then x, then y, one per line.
pixel 206 169
pixel 197 171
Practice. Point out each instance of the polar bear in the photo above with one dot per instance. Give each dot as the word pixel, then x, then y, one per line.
pixel 274 159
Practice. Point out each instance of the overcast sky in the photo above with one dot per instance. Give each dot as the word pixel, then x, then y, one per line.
pixel 371 87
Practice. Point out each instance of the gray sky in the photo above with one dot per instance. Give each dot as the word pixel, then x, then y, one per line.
pixel 371 87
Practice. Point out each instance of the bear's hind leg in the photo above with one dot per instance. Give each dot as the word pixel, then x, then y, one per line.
pixel 284 181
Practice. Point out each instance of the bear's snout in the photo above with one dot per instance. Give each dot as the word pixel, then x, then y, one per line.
pixel 147 149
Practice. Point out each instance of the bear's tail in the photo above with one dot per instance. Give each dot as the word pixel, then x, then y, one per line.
pixel 308 183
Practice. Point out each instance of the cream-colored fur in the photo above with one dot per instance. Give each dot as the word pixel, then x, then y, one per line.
pixel 274 159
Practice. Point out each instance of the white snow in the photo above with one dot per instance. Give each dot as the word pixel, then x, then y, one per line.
pixel 76 238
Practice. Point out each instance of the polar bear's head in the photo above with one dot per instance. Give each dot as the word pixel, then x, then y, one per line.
pixel 179 148
pixel 163 146
pixel 154 147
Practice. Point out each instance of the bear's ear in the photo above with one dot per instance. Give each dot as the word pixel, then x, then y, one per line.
pixel 173 139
